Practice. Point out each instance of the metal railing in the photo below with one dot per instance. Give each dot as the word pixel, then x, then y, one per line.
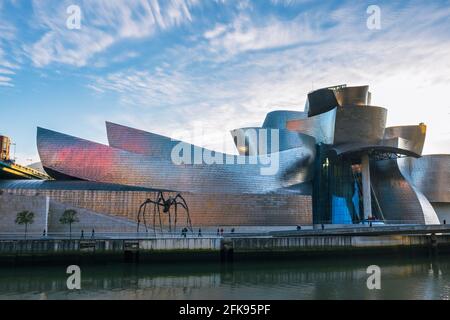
pixel 212 234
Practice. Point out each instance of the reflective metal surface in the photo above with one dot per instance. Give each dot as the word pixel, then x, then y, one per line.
pixel 359 124
pixel 430 174
pixel 399 200
pixel 206 209
pixel 238 174
pixel 321 126
pixel 414 136
pixel 277 119
pixel 272 184
pixel 320 101
pixel 259 141
pixel 353 96
pixel 393 146
pixel 126 138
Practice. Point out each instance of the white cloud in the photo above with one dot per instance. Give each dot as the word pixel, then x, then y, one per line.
pixel 406 64
pixel 118 20
pixel 246 35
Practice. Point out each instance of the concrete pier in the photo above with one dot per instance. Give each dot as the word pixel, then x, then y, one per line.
pixel 287 244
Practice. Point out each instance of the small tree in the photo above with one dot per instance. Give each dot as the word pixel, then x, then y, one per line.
pixel 68 217
pixel 26 218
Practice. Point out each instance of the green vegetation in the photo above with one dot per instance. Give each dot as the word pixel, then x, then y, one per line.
pixel 69 217
pixel 25 218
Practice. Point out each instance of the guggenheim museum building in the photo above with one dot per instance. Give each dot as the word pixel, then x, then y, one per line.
pixel 336 162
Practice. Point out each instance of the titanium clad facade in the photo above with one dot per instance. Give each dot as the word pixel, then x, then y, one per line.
pixel 399 200
pixel 261 141
pixel 278 119
pixel 95 162
pixel 353 96
pixel 414 135
pixel 430 174
pixel 206 209
pixel 309 169
pixel 140 142
pixel 321 126
pixel 357 124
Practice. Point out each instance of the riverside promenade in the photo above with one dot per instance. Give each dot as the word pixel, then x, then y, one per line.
pixel 331 242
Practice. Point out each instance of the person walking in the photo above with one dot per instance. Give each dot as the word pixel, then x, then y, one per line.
pixel 199 233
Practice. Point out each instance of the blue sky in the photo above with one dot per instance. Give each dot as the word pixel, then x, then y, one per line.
pixel 196 69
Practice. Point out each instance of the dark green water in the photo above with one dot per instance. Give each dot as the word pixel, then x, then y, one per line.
pixel 401 278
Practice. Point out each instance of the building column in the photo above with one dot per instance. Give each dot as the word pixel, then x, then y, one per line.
pixel 367 198
pixel 47 209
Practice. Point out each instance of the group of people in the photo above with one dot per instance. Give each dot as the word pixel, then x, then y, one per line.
pixel 220 232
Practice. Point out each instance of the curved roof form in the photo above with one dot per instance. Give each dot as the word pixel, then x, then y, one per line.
pixel 69 185
pixel 352 96
pixel 207 171
pixel 321 127
pixel 259 141
pixel 415 135
pixel 359 124
pixel 139 141
pixel 278 119
pixel 393 146
pixel 430 174
pixel 400 201
pixel 325 99
pixel 321 101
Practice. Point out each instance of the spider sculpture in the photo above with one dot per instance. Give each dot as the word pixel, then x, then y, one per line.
pixel 165 204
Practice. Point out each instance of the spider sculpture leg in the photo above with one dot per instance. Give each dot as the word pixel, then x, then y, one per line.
pixel 159 202
pixel 170 219
pixel 143 217
pixel 183 203
pixel 154 219
pixel 138 218
pixel 160 221
pixel 175 223
pixel 141 208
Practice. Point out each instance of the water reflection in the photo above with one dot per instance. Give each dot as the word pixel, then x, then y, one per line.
pixel 406 278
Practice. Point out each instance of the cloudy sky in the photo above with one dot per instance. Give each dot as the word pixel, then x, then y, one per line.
pixel 195 69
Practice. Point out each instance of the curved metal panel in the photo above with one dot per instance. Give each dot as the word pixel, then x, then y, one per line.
pixel 400 201
pixel 352 96
pixel 278 119
pixel 359 124
pixel 238 174
pixel 321 101
pixel 414 136
pixel 326 99
pixel 430 174
pixel 259 141
pixel 392 146
pixel 138 141
pixel 321 127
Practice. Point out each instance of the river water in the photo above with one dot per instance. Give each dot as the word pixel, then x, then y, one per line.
pixel 345 278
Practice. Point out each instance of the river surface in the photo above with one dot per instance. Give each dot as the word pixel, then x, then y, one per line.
pixel 344 278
